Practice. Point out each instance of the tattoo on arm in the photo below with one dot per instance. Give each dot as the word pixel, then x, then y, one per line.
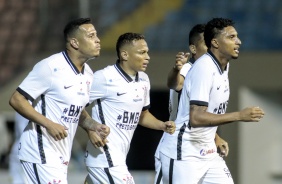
pixel 86 122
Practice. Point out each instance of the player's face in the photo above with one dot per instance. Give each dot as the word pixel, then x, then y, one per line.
pixel 138 57
pixel 229 43
pixel 89 43
pixel 201 47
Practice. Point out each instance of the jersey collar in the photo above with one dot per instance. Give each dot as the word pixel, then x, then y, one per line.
pixel 124 74
pixel 73 67
pixel 191 61
pixel 216 62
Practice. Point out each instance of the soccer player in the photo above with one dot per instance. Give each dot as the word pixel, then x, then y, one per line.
pixel 190 155
pixel 175 82
pixel 58 88
pixel 121 100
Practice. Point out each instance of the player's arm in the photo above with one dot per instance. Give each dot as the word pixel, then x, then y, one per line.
pixel 149 121
pixel 97 132
pixel 175 80
pixel 199 117
pixel 222 145
pixel 23 107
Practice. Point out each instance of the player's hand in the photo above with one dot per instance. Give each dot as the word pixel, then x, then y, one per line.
pixel 222 145
pixel 169 127
pixel 57 131
pixel 102 130
pixel 251 114
pixel 180 59
pixel 96 140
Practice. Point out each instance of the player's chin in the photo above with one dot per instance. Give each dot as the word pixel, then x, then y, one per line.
pixel 97 53
pixel 235 56
pixel 143 69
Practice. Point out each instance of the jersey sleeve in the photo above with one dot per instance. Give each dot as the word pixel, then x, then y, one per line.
pixel 99 86
pixel 38 81
pixel 200 82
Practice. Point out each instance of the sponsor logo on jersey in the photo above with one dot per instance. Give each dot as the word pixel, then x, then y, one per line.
pixel 55 182
pixel 205 152
pixel 221 109
pixel 136 100
pixel 81 93
pixel 64 162
pixel 66 87
pixel 128 179
pixel 227 172
pixel 71 114
pixel 128 120
pixel 119 94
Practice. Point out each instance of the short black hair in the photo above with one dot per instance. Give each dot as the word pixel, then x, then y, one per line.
pixel 73 25
pixel 127 38
pixel 194 34
pixel 214 27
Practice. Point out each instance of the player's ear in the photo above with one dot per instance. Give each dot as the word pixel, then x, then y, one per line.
pixel 214 43
pixel 192 48
pixel 74 43
pixel 124 55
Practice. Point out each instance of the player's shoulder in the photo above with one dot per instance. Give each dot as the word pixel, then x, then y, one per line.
pixel 105 72
pixel 204 62
pixel 202 66
pixel 48 62
pixel 54 58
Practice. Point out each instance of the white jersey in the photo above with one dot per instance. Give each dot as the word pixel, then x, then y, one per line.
pixel 20 124
pixel 174 99
pixel 118 103
pixel 174 95
pixel 59 92
pixel 206 84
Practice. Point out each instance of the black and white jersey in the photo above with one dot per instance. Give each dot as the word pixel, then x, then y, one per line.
pixel 206 84
pixel 175 95
pixel 60 92
pixel 118 100
pixel 174 100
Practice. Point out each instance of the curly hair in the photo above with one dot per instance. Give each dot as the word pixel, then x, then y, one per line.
pixel 214 27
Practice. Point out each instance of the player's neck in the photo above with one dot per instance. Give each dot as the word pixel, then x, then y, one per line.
pixel 128 70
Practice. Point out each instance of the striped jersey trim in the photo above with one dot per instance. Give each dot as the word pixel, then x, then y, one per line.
pixel 111 180
pixel 216 62
pixel 26 95
pixel 199 103
pixel 106 149
pixel 179 141
pixel 76 71
pixel 36 173
pixel 171 163
pixel 124 74
pixel 39 133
